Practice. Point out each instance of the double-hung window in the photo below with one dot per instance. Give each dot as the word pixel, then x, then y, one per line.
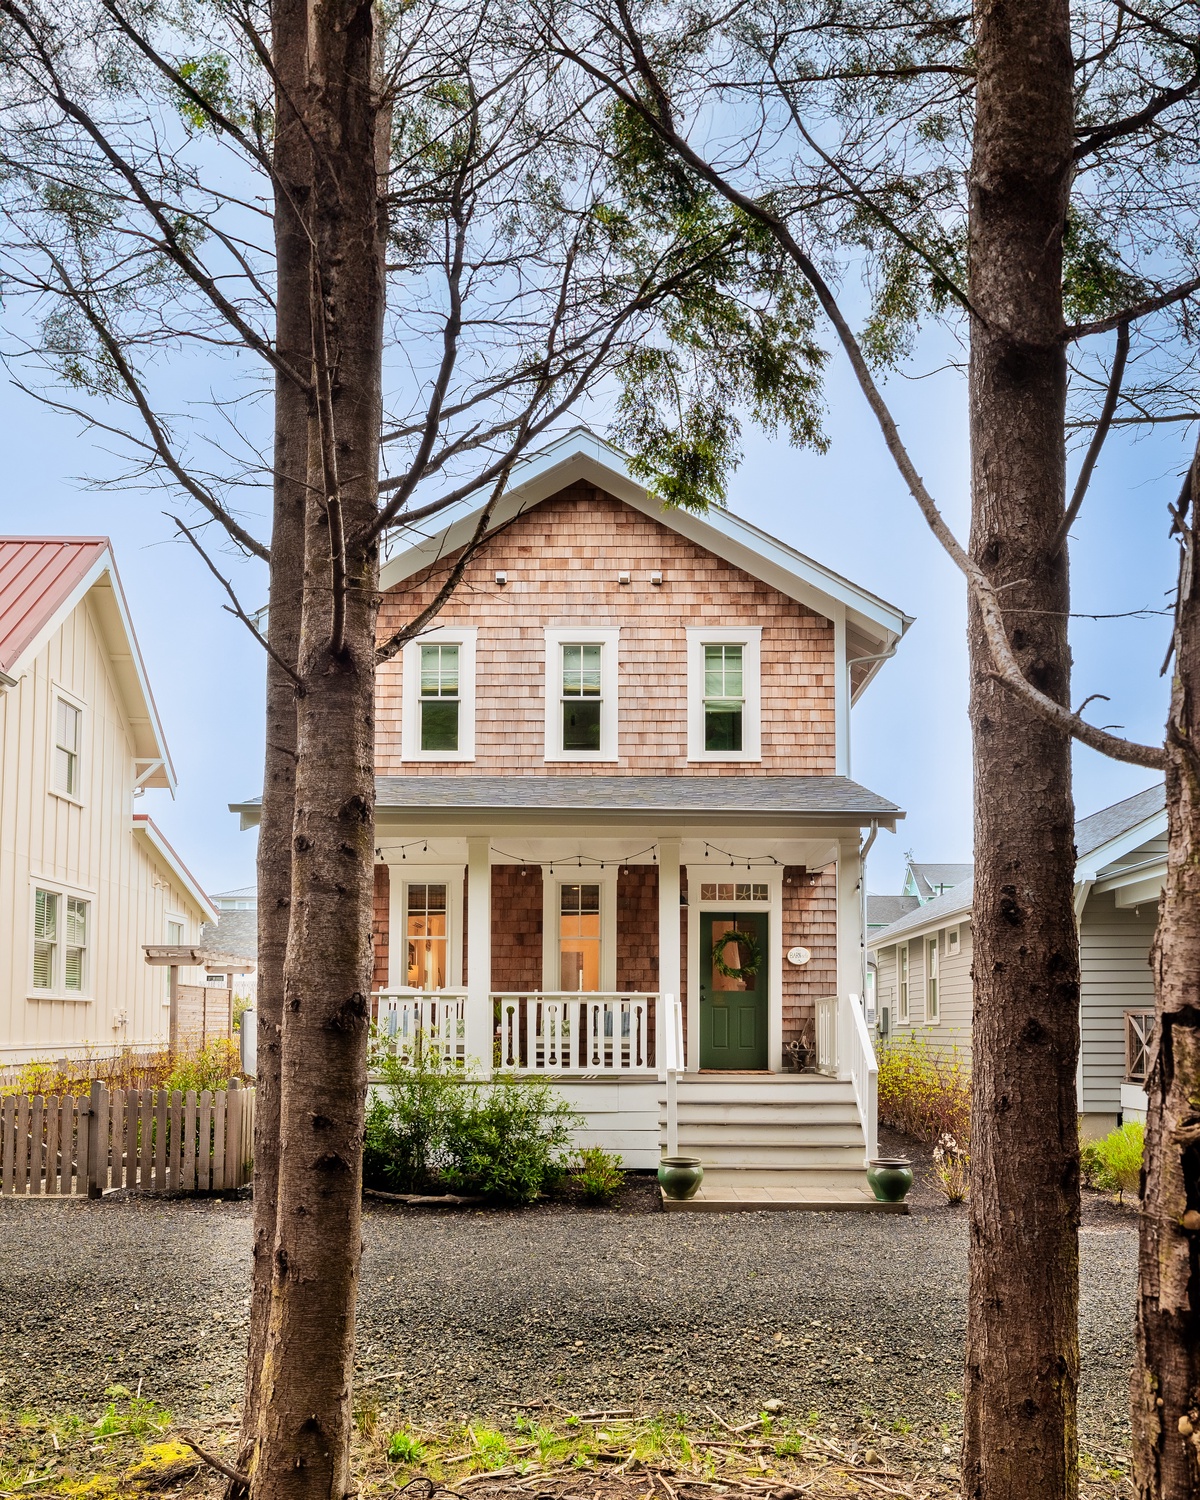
pixel 902 984
pixel 724 693
pixel 68 736
pixel 581 694
pixel 61 931
pixel 932 980
pixel 440 699
pixel 438 721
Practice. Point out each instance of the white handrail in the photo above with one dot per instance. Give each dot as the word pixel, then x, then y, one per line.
pixel 856 1061
pixel 827 1034
pixel 573 1032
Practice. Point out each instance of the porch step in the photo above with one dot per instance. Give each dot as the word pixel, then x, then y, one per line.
pixel 772 1124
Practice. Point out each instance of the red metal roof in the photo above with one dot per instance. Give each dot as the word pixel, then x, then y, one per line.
pixel 37 576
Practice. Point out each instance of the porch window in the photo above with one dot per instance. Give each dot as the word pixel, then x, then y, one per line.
pixel 735 891
pixel 724 700
pixel 902 985
pixel 68 723
pixel 426 937
pixel 582 698
pixel 931 980
pixel 579 938
pixel 45 939
pixel 439 697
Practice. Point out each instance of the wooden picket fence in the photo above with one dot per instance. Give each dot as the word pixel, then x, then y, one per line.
pixel 150 1140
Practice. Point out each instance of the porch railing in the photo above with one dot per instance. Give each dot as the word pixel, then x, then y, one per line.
pixel 573 1033
pixel 1139 1038
pixel 844 1050
pixel 409 1025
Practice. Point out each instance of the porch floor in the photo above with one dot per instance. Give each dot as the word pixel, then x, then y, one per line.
pixel 738 1189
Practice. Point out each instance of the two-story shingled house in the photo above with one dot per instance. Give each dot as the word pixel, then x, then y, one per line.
pixel 614 778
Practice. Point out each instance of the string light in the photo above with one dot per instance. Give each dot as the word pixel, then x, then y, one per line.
pixel 734 860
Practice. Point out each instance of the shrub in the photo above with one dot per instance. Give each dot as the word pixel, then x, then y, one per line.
pixel 508 1142
pixel 925 1093
pixel 208 1067
pixel 1114 1164
pixel 598 1175
pixel 408 1121
pixel 432 1123
pixel 951 1169
pixel 403 1448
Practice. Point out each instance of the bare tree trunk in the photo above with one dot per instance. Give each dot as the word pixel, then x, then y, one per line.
pixel 308 1364
pixel 1022 1339
pixel 1166 1381
pixel 294 340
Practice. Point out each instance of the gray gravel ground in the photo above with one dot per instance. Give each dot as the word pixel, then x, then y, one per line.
pixel 464 1312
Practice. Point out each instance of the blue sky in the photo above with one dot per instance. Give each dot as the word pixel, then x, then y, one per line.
pixel 847 509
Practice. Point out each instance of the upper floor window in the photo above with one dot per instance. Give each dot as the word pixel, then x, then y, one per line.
pixel 439 695
pixel 60 942
pixel 724 695
pixel 68 734
pixel 581 694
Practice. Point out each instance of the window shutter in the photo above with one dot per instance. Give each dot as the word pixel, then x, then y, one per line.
pixel 45 936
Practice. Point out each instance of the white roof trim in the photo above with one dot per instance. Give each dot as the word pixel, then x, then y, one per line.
pixel 581 454
pixel 1152 827
pixel 105 567
pixel 145 828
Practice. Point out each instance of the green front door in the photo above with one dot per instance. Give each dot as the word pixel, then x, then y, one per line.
pixel 733 1005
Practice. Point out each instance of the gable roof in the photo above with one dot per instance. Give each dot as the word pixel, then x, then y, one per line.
pixel 1110 823
pixel 873 626
pixel 927 878
pixel 884 910
pixel 152 836
pixel 42 580
pixel 1100 837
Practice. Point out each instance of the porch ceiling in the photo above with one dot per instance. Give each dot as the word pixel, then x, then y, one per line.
pixel 741 801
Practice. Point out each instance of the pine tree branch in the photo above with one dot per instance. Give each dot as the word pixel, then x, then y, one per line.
pixel 1111 397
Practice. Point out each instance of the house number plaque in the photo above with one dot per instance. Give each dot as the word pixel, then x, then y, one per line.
pixel 798 955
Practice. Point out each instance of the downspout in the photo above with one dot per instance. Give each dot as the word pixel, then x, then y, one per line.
pixel 857 661
pixel 862 899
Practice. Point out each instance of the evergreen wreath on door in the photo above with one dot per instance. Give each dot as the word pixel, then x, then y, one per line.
pixel 748 944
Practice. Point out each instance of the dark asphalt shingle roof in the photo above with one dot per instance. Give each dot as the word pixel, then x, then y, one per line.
pixel 884 909
pixel 236 934
pixel 1111 822
pixel 929 877
pixel 820 795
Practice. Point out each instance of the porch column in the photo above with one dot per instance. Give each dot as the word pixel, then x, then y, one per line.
pixel 850 950
pixel 668 924
pixel 479 954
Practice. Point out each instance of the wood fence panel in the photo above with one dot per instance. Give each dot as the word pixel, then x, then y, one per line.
pixel 160 1140
pixel 102 1145
pixel 233 1136
pixel 116 1130
pixel 132 1102
pixel 83 1139
pixel 146 1140
pixel 37 1164
pixel 218 1176
pixel 204 1148
pixel 21 1177
pixel 66 1144
pixel 8 1116
pixel 189 1143
pixel 176 1142
pixel 53 1119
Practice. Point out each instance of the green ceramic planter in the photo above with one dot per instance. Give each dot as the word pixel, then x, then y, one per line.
pixel 891 1178
pixel 680 1177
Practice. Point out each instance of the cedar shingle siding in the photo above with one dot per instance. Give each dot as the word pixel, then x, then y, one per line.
pixel 562 561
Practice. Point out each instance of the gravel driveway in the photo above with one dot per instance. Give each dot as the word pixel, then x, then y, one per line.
pixel 463 1312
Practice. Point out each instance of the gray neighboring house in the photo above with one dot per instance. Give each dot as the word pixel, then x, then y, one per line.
pixel 235 933
pixel 922 959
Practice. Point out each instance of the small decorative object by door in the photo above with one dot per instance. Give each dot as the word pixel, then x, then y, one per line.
pixel 891 1178
pixel 680 1177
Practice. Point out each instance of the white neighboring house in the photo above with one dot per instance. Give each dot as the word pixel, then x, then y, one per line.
pixel 923 959
pixel 85 881
pixel 235 933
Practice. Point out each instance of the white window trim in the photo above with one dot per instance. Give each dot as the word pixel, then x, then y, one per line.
pixel 953 941
pixel 462 636
pixel 608 637
pixel 56 692
pixel 564 874
pixel 180 921
pixel 749 637
pixel 58 994
pixel 402 874
pixel 933 946
pixel 903 986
